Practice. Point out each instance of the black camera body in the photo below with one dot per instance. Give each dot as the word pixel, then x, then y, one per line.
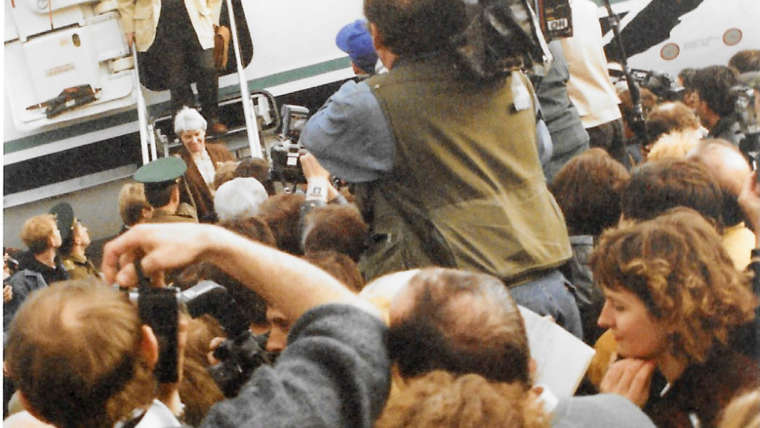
pixel 745 109
pixel 242 352
pixel 239 355
pixel 286 165
pixel 285 152
pixel 159 308
pixel 664 85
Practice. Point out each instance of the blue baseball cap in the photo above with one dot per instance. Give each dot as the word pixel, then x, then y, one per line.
pixel 355 40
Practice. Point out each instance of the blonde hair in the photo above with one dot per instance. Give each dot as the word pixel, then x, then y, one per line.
pixel 677 266
pixel 132 202
pixel 37 230
pixel 440 399
pixel 676 145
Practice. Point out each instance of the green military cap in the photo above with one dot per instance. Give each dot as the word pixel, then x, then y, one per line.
pixel 161 172
pixel 64 218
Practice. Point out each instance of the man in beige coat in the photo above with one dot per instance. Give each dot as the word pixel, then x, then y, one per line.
pixel 175 40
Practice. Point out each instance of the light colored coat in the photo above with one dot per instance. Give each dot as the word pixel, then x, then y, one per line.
pixel 141 17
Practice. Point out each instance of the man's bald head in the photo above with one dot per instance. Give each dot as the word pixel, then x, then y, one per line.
pixel 461 322
pixel 726 161
pixel 730 169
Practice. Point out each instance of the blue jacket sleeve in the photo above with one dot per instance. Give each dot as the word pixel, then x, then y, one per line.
pixel 335 372
pixel 350 136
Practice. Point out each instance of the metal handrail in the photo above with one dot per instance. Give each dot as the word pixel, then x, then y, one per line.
pixel 142 114
pixel 251 124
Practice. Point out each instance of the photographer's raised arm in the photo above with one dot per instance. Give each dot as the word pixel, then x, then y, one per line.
pixel 335 371
pixel 287 282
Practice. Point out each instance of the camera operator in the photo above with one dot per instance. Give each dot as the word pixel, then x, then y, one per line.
pixel 442 151
pixel 80 356
pixel 335 369
pixel 715 102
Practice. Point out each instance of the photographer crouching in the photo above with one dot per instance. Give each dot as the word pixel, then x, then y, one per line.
pixel 82 356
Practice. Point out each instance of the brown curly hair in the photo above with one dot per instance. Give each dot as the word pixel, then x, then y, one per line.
pixel 282 212
pixel 335 227
pixel 440 399
pixel 676 265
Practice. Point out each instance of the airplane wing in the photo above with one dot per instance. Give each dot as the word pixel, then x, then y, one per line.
pixel 651 26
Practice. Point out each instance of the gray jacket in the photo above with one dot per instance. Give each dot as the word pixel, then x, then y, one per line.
pixel 24 282
pixel 335 372
pixel 601 410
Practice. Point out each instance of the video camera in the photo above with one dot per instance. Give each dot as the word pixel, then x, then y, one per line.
pixel 240 354
pixel 285 153
pixel 664 85
pixel 746 111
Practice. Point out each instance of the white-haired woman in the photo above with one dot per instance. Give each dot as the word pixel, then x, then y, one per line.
pixel 202 160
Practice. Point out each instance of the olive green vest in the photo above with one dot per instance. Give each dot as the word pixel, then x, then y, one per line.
pixel 467 189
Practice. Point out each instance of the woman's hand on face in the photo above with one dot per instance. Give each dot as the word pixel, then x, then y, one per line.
pixel 630 378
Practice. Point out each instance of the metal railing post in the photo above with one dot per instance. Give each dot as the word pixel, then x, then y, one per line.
pixel 245 96
pixel 142 118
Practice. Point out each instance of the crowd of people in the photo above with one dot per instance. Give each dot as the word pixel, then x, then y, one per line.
pixel 445 192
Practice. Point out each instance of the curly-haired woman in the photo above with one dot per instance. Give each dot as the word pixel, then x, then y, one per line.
pixel 672 299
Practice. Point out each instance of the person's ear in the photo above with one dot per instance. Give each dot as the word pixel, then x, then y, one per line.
pixel 377 39
pixel 146 212
pixel 175 194
pixel 148 346
pixel 51 240
pixel 690 98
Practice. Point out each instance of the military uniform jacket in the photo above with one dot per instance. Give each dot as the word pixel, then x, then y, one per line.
pixel 162 216
pixel 79 267
pixel 466 189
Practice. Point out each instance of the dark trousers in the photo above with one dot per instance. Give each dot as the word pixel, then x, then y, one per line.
pixel 551 294
pixel 179 58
